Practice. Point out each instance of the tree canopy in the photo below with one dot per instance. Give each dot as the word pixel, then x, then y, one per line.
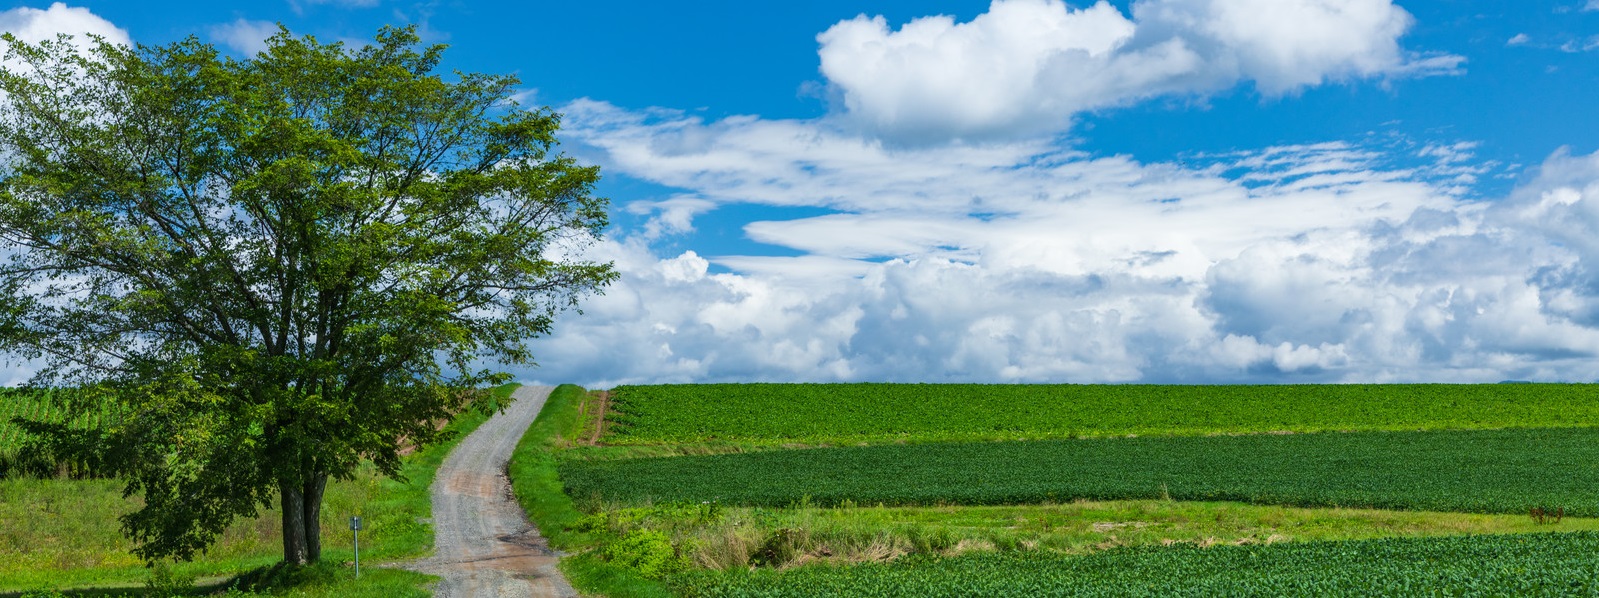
pixel 278 266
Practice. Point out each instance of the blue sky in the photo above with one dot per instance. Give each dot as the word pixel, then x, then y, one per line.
pixel 1030 190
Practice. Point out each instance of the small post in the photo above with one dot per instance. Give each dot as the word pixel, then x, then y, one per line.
pixel 355 526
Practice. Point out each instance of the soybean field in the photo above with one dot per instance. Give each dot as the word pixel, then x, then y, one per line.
pixel 838 413
pixel 36 405
pixel 1512 565
pixel 1486 471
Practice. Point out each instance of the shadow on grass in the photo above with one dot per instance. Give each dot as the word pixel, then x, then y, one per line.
pixel 273 579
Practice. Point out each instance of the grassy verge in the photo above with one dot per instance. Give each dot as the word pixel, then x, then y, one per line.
pixel 64 533
pixel 853 413
pixel 1517 565
pixel 736 539
pixel 1490 471
pixel 538 488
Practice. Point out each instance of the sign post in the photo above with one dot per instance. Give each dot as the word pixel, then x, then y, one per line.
pixel 355 526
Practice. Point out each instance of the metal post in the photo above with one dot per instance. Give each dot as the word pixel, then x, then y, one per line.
pixel 355 526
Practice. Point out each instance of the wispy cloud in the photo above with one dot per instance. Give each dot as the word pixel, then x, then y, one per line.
pixel 244 36
pixel 298 6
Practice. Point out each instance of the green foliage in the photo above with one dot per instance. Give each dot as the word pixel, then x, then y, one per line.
pixel 821 413
pixel 649 552
pixel 166 582
pixel 1495 471
pixel 597 577
pixel 279 267
pixel 1518 565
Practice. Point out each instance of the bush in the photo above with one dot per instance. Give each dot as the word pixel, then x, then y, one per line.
pixel 649 552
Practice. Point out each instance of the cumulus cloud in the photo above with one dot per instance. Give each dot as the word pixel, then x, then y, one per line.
pixel 1025 261
pixel 1026 66
pixel 244 36
pixel 33 25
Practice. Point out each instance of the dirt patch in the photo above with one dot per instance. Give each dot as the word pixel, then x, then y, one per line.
pixel 1106 526
pixel 602 407
pixel 407 447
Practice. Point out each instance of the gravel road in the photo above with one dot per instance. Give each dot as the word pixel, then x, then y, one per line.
pixel 484 545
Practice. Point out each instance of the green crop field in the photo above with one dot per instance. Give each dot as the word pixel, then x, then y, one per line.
pixel 1024 490
pixel 1492 471
pixel 36 406
pixel 1516 565
pixel 887 412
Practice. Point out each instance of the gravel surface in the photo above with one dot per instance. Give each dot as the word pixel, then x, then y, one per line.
pixel 484 545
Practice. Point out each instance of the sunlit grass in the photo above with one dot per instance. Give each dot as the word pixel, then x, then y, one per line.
pixel 59 533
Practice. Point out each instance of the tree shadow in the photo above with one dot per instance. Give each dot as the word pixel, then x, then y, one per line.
pixel 261 580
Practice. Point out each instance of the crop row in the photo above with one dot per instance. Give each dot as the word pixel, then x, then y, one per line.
pixel 1487 471
pixel 852 412
pixel 35 406
pixel 1517 565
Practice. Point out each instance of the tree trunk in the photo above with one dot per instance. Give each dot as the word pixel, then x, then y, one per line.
pixel 313 515
pixel 295 549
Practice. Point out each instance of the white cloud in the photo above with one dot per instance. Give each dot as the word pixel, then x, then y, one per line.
pixel 33 25
pixel 1027 262
pixel 1592 5
pixel 246 37
pixel 1520 39
pixel 1026 66
pixel 673 216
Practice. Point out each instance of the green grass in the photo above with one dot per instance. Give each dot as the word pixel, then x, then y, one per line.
pixel 538 488
pixel 736 538
pixel 852 413
pixel 1516 565
pixel 57 533
pixel 1489 471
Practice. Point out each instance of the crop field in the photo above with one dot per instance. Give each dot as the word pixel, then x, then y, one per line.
pixel 1488 471
pixel 1513 565
pixel 32 405
pixel 821 413
pixel 1019 490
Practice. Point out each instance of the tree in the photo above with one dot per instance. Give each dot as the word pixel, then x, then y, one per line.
pixel 279 266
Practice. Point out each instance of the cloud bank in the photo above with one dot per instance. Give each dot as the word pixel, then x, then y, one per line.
pixel 1028 262
pixel 964 242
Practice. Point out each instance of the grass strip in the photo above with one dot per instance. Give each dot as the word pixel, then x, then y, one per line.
pixel 850 413
pixel 1487 471
pixel 537 485
pixel 1514 565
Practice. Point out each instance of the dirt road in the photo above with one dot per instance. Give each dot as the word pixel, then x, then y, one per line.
pixel 484 545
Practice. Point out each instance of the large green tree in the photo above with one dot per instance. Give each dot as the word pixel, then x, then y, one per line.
pixel 279 266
